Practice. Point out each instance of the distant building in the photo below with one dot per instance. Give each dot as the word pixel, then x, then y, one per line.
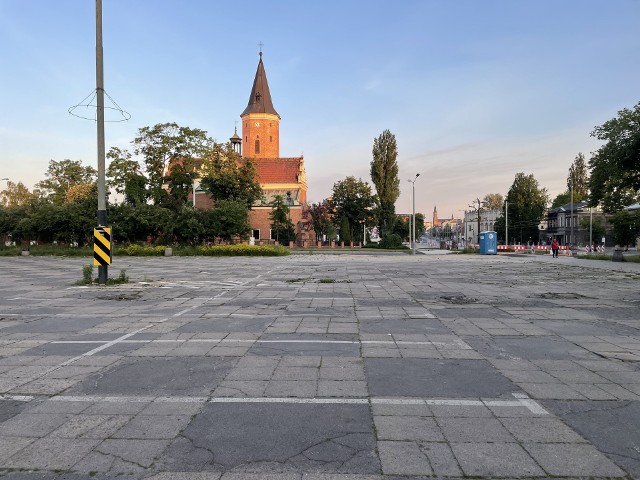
pixel 488 219
pixel 561 219
pixel 284 176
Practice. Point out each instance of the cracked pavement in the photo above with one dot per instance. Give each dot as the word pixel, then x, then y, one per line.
pixel 405 367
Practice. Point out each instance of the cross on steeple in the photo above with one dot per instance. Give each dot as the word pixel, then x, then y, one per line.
pixel 261 45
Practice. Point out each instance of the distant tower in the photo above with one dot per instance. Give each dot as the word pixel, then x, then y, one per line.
pixel 236 142
pixel 260 121
pixel 436 222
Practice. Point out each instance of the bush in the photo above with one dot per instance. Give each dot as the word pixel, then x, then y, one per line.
pixel 243 250
pixel 135 250
pixel 391 240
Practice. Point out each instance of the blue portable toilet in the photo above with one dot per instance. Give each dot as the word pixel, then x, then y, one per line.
pixel 488 243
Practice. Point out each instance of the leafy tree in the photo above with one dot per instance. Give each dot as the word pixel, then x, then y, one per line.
pixel 17 194
pixel 419 224
pixel 81 191
pixel 402 228
pixel 126 177
pixel 493 201
pixel 596 224
pixel 384 175
pixel 163 143
pixel 579 177
pixel 231 220
pixel 351 199
pixel 345 231
pixel 626 227
pixel 61 176
pixel 561 199
pixel 526 208
pixel 320 219
pixel 10 218
pixel 281 225
pixel 615 167
pixel 227 176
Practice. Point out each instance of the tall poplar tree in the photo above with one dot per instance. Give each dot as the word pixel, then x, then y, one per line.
pixel 384 175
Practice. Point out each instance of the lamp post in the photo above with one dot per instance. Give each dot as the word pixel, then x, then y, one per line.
pixel 571 217
pixel 412 227
pixel 506 223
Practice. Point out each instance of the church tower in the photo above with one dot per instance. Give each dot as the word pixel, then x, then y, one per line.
pixel 436 221
pixel 260 121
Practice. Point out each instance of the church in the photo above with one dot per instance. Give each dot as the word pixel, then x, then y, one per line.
pixel 277 175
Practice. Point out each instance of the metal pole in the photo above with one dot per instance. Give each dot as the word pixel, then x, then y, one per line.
pixel 506 222
pixel 102 194
pixel 413 218
pixel 571 217
pixel 590 228
pixel 194 193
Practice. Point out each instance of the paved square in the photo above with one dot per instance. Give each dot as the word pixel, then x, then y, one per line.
pixel 406 367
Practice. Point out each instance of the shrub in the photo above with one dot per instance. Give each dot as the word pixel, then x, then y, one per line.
pixel 135 250
pixel 243 250
pixel 391 240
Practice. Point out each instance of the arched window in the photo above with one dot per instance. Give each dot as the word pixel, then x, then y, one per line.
pixel 257 146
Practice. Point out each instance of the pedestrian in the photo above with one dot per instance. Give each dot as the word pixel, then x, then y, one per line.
pixel 554 248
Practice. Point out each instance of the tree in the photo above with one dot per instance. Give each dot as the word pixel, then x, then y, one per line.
pixel 126 177
pixel 320 219
pixel 493 201
pixel 17 194
pixel 228 176
pixel 579 177
pixel 402 228
pixel 596 225
pixel 281 225
pixel 384 175
pixel 527 204
pixel 561 199
pixel 615 166
pixel 163 143
pixel 626 227
pixel 351 199
pixel 61 176
pixel 419 224
pixel 231 220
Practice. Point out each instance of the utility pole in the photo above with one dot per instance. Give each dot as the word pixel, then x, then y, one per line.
pixel 102 194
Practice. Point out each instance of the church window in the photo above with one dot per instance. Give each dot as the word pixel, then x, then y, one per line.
pixel 258 97
pixel 257 146
pixel 270 138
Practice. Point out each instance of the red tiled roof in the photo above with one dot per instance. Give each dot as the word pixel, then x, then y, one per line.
pixel 277 170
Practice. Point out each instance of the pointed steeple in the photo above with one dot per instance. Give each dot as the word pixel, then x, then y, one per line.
pixel 260 98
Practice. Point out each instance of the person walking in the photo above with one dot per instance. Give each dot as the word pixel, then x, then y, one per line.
pixel 554 248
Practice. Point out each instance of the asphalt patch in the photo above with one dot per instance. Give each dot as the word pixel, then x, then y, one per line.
pixel 188 376
pixel 245 437
pixel 414 377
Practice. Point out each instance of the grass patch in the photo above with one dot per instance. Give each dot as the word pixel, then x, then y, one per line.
pixel 604 256
pixel 88 279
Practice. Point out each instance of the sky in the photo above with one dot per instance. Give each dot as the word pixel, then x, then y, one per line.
pixel 475 91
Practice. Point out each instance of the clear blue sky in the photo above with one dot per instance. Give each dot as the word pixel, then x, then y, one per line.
pixel 475 91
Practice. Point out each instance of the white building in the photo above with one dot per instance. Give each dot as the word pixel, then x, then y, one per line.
pixel 487 221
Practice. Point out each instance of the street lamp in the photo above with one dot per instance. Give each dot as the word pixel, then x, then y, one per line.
pixel 412 227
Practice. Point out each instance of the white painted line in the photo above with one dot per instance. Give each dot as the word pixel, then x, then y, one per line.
pixel 454 403
pixel 532 405
pixel 17 398
pixel 397 401
pixel 458 345
pixel 339 401
pixel 181 400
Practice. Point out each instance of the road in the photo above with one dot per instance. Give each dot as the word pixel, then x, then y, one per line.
pixel 321 367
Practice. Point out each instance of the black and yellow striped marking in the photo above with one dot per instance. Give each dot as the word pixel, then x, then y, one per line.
pixel 102 246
